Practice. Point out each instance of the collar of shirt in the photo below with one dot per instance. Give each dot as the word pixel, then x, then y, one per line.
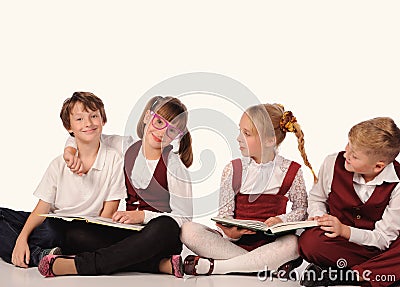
pixel 388 174
pixel 248 161
pixel 257 177
pixel 101 157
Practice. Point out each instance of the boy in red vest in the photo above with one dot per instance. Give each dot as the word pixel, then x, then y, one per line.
pixel 357 204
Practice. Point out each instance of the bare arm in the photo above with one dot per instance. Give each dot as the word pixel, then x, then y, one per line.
pixel 109 208
pixel 21 254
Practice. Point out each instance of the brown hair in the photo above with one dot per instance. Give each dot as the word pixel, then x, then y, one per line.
pixel 170 108
pixel 379 137
pixel 89 102
pixel 263 116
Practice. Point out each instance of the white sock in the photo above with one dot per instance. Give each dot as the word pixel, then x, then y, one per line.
pixel 267 257
pixel 203 266
pixel 229 257
pixel 207 242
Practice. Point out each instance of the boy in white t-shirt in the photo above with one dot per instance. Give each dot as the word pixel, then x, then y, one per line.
pixel 96 192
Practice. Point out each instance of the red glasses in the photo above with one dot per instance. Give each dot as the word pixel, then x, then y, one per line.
pixel 159 123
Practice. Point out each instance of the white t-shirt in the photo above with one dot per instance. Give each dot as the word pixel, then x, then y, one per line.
pixel 71 194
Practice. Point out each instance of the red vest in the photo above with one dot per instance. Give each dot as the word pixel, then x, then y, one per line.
pixel 345 204
pixel 156 196
pixel 266 205
pixel 263 207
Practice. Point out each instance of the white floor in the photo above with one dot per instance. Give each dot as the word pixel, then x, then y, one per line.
pixel 18 277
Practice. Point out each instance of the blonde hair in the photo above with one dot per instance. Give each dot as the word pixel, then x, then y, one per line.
pixel 379 137
pixel 271 120
pixel 170 108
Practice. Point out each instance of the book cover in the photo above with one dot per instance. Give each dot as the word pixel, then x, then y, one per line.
pixel 97 220
pixel 255 225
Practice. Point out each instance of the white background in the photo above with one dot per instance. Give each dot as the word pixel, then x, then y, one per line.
pixel 333 63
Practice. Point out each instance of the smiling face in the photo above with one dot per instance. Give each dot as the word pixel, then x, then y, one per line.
pixel 85 124
pixel 248 139
pixel 154 135
pixel 358 161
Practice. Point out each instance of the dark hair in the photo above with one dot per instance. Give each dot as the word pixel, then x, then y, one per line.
pixel 170 108
pixel 89 102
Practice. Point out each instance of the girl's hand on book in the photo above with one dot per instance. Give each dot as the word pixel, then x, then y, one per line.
pixel 272 221
pixel 234 232
pixel 314 218
pixel 129 217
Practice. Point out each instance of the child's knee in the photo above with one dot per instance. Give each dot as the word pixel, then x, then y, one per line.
pixel 311 247
pixel 290 244
pixel 163 225
pixel 189 231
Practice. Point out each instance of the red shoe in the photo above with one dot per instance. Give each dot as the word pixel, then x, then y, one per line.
pixel 190 263
pixel 46 264
pixel 177 266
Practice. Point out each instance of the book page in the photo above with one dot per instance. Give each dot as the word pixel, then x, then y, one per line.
pixel 248 224
pixel 286 226
pixel 95 219
pixel 261 226
pixel 63 216
pixel 111 223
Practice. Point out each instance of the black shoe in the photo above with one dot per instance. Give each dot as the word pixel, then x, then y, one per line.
pixel 314 275
pixel 284 271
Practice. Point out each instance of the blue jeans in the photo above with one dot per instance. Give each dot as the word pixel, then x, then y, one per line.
pixel 45 236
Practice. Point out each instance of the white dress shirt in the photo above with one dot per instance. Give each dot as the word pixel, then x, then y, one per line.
pixel 387 229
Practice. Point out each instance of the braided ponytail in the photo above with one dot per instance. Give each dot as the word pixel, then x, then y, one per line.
pixel 284 122
pixel 288 123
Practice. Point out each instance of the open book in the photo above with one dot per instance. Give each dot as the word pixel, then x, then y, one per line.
pixel 98 220
pixel 255 225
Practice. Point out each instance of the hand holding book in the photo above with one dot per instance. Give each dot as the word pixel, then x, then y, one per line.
pixel 261 226
pixel 234 232
pixel 273 220
pixel 129 217
pixel 98 220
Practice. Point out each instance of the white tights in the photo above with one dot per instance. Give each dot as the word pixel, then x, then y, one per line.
pixel 229 257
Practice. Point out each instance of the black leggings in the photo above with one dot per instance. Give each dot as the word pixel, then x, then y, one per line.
pixel 113 249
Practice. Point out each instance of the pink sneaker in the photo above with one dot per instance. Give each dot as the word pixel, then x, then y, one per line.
pixel 177 266
pixel 45 266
